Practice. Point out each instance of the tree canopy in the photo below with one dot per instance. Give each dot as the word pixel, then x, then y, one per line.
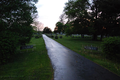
pixel 47 30
pixel 60 27
pixel 101 17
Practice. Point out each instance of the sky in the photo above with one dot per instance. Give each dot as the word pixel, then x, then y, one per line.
pixel 49 12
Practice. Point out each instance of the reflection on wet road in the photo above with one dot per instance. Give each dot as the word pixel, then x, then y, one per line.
pixel 69 65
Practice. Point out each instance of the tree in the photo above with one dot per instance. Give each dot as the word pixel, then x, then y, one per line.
pixel 17 15
pixel 38 26
pixel 68 29
pixel 56 29
pixel 105 17
pixel 60 27
pixel 15 25
pixel 110 14
pixel 47 30
pixel 77 13
pixel 96 23
pixel 62 18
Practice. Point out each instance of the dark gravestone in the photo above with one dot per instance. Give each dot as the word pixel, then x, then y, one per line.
pixel 91 48
pixel 26 47
pixel 52 36
pixel 60 36
pixel 56 37
pixel 36 37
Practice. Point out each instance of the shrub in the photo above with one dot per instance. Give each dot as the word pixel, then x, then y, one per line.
pixel 111 47
pixel 24 32
pixel 8 45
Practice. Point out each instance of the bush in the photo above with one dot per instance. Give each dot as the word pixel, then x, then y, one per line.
pixel 8 45
pixel 111 47
pixel 24 32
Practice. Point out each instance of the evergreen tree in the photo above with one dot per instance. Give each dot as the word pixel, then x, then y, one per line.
pixel 15 28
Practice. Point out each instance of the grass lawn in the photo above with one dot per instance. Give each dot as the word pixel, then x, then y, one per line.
pixel 77 45
pixel 28 64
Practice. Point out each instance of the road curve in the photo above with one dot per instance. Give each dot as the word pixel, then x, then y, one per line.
pixel 69 65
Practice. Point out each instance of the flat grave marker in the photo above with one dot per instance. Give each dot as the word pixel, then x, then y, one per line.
pixel 26 47
pixel 91 48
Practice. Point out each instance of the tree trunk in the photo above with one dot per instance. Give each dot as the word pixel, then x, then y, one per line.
pixel 94 37
pixel 101 37
pixel 82 35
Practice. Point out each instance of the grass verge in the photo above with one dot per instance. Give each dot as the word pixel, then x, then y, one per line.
pixel 77 45
pixel 28 64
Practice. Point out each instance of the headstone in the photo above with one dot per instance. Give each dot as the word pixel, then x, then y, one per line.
pixel 61 33
pixel 60 36
pixel 56 37
pixel 91 48
pixel 26 47
pixel 52 36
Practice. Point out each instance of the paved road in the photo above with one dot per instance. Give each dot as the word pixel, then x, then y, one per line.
pixel 69 65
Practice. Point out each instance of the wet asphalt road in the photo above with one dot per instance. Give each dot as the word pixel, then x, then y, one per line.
pixel 69 65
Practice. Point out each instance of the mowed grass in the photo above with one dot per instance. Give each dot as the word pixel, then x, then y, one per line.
pixel 77 45
pixel 28 64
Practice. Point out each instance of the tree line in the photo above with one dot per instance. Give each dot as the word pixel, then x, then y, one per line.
pixel 99 17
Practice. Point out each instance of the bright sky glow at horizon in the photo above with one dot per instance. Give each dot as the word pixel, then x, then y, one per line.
pixel 49 11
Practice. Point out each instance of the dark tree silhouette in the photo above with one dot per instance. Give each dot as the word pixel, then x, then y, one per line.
pixel 47 30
